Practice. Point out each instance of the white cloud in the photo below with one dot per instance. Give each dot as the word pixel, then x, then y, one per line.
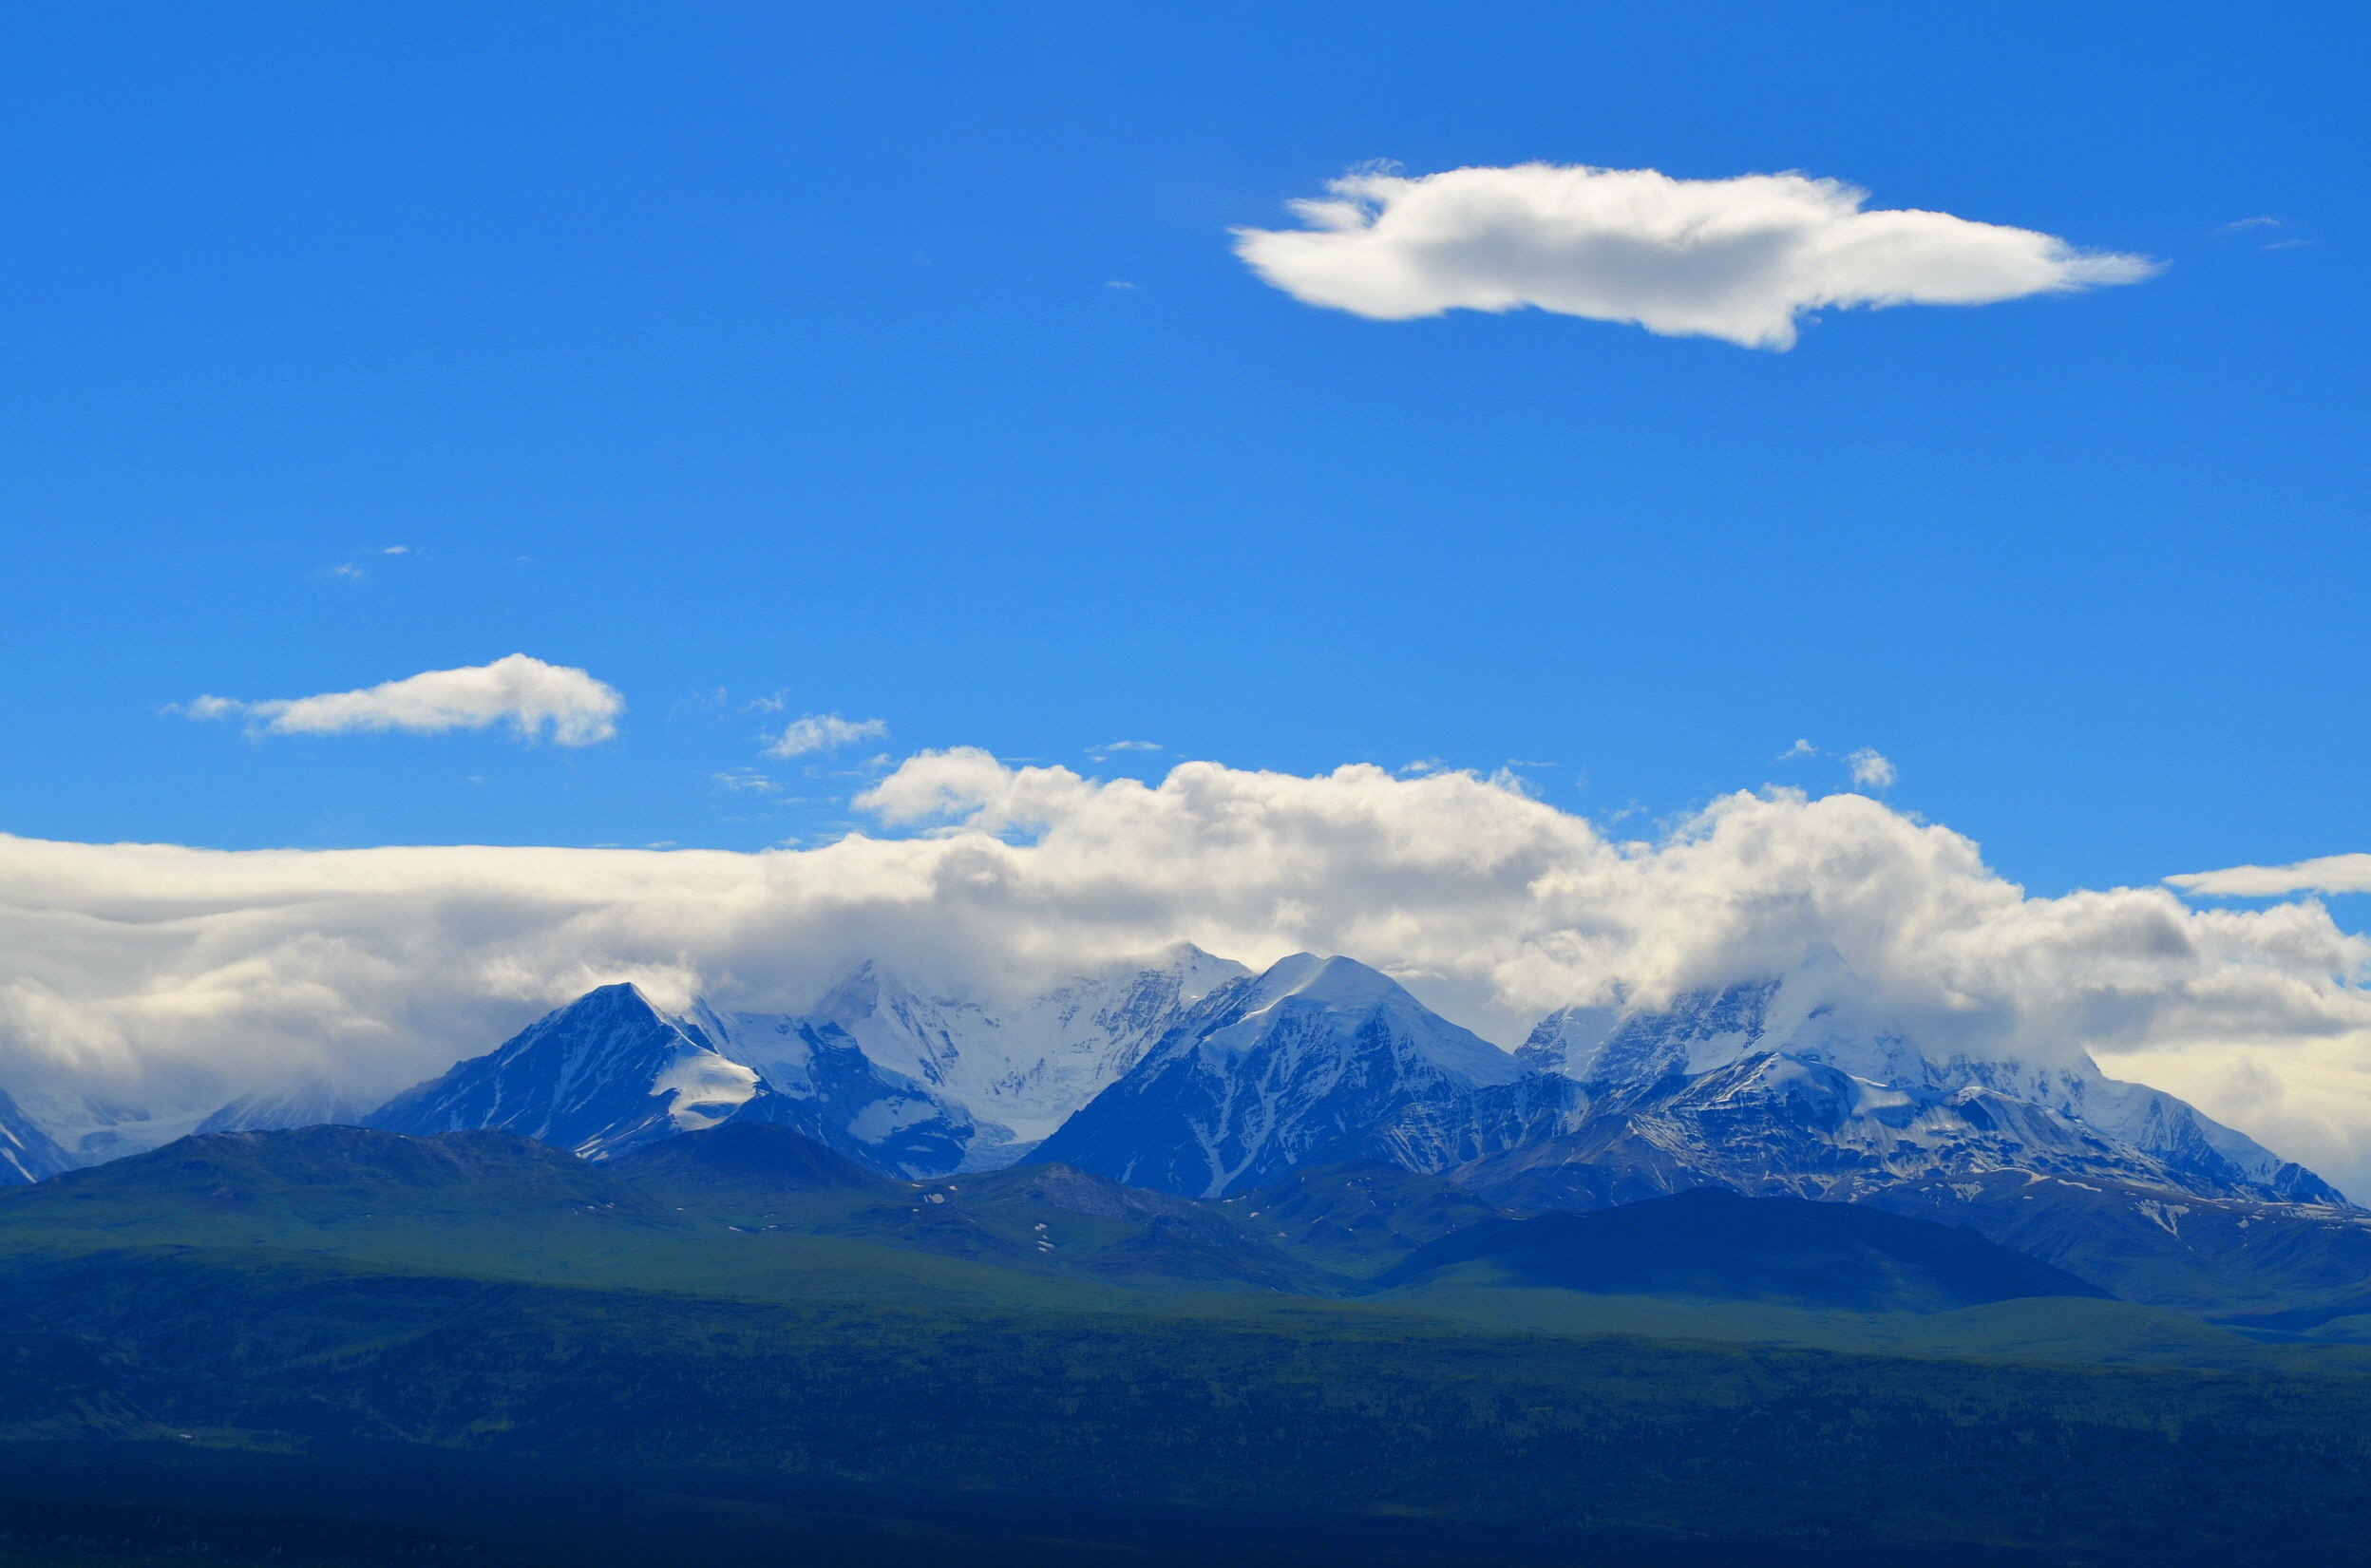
pixel 156 970
pixel 824 732
pixel 2330 873
pixel 744 779
pixel 529 694
pixel 1800 748
pixel 1871 768
pixel 1739 259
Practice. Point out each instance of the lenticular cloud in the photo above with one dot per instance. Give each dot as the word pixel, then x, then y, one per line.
pixel 1739 259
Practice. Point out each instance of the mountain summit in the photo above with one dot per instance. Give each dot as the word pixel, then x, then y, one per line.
pixel 1797 1084
pixel 605 1073
pixel 909 1081
pixel 1316 1060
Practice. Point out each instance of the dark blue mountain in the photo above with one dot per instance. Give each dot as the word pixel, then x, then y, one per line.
pixel 1713 1244
pixel 27 1153
pixel 1315 1061
pixel 604 1074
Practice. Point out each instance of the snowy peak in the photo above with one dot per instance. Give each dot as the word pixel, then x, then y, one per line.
pixel 1310 1063
pixel 1676 1065
pixel 311 1102
pixel 2210 1158
pixel 912 1082
pixel 605 1073
pixel 1020 1069
pixel 820 1083
pixel 1341 1004
pixel 1772 1122
pixel 1605 1052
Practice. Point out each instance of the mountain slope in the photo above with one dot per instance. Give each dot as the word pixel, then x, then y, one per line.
pixel 1314 1061
pixel 764 1179
pixel 1358 1217
pixel 27 1153
pixel 1772 1123
pixel 746 1160
pixel 820 1083
pixel 328 1189
pixel 599 1076
pixel 1680 1075
pixel 2291 1266
pixel 1018 1072
pixel 1071 1221
pixel 883 1074
pixel 1713 1244
pixel 307 1104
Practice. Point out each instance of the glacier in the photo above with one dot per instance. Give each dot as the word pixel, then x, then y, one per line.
pixel 1021 1071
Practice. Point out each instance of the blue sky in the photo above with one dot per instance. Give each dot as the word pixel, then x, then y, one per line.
pixel 739 353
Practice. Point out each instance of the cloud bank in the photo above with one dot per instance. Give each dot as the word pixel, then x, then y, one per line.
pixel 532 697
pixel 159 970
pixel 1739 259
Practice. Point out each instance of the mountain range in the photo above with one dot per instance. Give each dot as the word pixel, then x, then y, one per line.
pixel 1196 1077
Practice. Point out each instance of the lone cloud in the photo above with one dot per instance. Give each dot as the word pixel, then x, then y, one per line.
pixel 533 696
pixel 1739 259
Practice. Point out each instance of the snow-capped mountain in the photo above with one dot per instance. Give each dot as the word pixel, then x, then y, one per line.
pixel 27 1153
pixel 1197 1077
pixel 890 1074
pixel 606 1073
pixel 1318 1059
pixel 2219 1160
pixel 94 1129
pixel 1777 1123
pixel 1796 1084
pixel 820 1083
pixel 1020 1072
pixel 311 1102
